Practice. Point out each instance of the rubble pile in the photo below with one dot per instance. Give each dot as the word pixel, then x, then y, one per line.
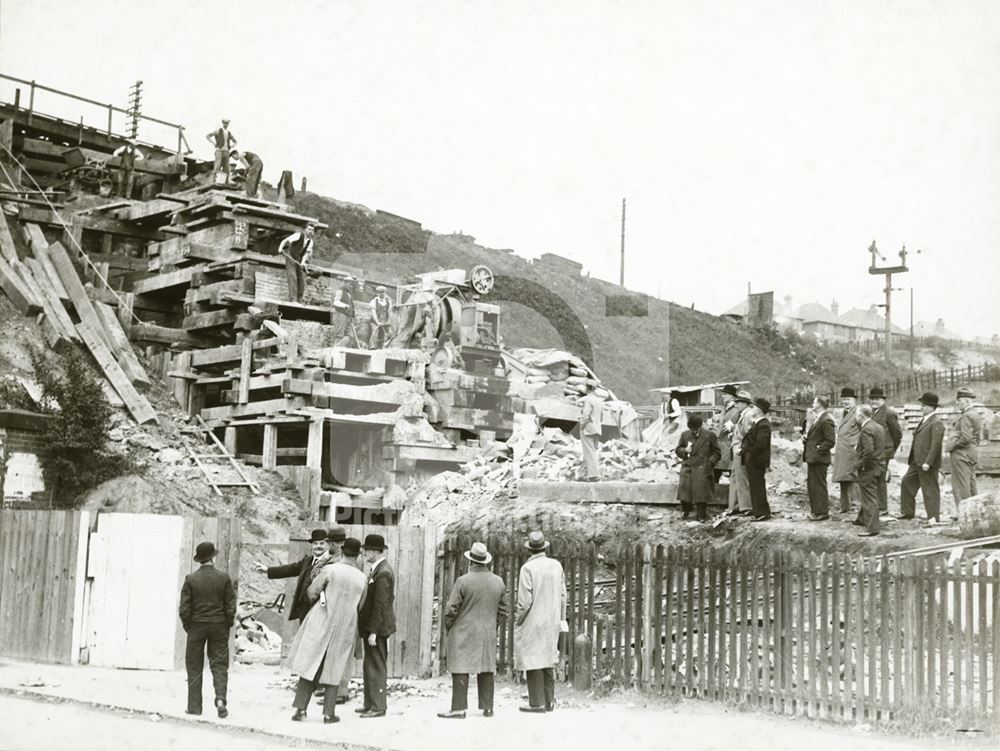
pixel 255 642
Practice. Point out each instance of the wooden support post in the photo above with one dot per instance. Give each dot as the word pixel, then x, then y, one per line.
pixel 229 440
pixel 314 446
pixel 246 368
pixel 138 407
pixel 125 312
pixel 270 449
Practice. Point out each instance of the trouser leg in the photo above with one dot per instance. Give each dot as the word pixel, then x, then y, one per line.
pixel 589 445
pixel 819 495
pixel 701 511
pixel 375 673
pixel 883 493
pixel 294 293
pixel 330 701
pixel 218 658
pixel 869 501
pixel 194 661
pixel 304 690
pixel 849 495
pixel 963 478
pixel 742 483
pixel 758 491
pixel 549 687
pixel 485 687
pixel 908 487
pixel 536 687
pixel 300 282
pixel 931 490
pixel 459 692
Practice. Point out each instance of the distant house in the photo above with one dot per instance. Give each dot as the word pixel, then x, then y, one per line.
pixel 868 325
pixel 824 323
pixel 560 263
pixel 786 315
pixel 926 328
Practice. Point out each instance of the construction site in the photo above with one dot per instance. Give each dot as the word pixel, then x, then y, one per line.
pixel 254 412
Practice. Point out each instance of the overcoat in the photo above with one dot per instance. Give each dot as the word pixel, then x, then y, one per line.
pixel 731 415
pixel 871 448
pixel 821 437
pixel 845 459
pixel 887 418
pixel 541 606
pixel 328 633
pixel 755 450
pixel 477 605
pixel 700 454
pixel 963 441
pixel 378 616
pixel 927 440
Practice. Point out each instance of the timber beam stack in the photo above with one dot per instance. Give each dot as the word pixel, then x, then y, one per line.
pixel 472 404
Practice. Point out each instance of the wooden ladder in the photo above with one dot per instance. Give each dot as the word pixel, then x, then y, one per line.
pixel 212 465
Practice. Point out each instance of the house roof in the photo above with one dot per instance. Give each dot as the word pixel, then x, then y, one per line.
pixel 813 312
pixel 929 328
pixel 780 309
pixel 867 319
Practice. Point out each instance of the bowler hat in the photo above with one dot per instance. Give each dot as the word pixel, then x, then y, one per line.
pixel 318 535
pixel 536 542
pixel 848 391
pixel 730 389
pixel 336 534
pixel 478 553
pixel 930 399
pixel 744 396
pixel 762 404
pixel 876 393
pixel 374 542
pixel 352 546
pixel 204 552
pixel 965 392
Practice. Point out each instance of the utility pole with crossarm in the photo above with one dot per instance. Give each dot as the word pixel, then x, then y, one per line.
pixel 887 272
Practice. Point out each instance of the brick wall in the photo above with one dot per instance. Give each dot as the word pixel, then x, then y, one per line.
pixel 23 477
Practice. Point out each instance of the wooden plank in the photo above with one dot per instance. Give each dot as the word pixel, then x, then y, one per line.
pixel 148 332
pixel 166 281
pixel 19 293
pixel 43 257
pixel 954 579
pixel 125 355
pixel 54 309
pixel 136 403
pixel 78 293
pixel 983 660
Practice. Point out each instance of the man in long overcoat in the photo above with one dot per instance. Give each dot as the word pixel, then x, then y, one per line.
pixel 924 463
pixel 885 416
pixel 845 458
pixel 871 466
pixel 322 648
pixel 305 570
pixel 476 607
pixel 724 429
pixel 739 488
pixel 755 453
pixel 819 439
pixel 963 445
pixel 351 550
pixel 377 624
pixel 699 452
pixel 538 619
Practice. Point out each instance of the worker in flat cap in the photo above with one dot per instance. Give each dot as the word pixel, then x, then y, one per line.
pixel 963 445
pixel 223 141
pixel 755 454
pixel 871 466
pixel 845 456
pixel 305 569
pixel 381 307
pixel 127 155
pixel 885 416
pixel 344 333
pixel 297 250
pixel 376 625
pixel 924 463
pixel 476 607
pixel 723 427
pixel 322 650
pixel 739 488
pixel 539 619
pixel 207 610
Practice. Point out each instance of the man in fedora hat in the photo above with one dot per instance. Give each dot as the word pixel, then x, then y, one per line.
pixel 755 455
pixel 539 618
pixel 305 570
pixel 207 610
pixel 885 416
pixel 819 439
pixel 723 427
pixel 381 307
pixel 376 624
pixel 924 463
pixel 739 487
pixel 963 445
pixel 871 466
pixel 845 456
pixel 699 451
pixel 476 607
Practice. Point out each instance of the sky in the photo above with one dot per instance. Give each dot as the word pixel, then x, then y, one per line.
pixel 764 142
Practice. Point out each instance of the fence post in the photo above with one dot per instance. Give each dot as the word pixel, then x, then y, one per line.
pixel 110 114
pixel 31 102
pixel 649 636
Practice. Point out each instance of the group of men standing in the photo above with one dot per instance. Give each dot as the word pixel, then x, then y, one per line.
pixel 861 444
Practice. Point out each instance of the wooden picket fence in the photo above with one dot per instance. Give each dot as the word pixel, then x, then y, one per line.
pixel 828 636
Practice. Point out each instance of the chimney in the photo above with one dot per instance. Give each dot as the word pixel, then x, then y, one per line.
pixel 835 308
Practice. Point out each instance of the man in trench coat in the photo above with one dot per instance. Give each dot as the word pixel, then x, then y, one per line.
pixel 699 452
pixel 739 487
pixel 538 620
pixel 731 410
pixel 963 444
pixel 845 457
pixel 323 646
pixel 476 607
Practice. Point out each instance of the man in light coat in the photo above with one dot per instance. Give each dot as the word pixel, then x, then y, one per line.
pixel 476 607
pixel 322 648
pixel 885 416
pixel 590 434
pixel 845 457
pixel 739 487
pixel 963 444
pixel 819 439
pixel 724 426
pixel 539 618
pixel 924 463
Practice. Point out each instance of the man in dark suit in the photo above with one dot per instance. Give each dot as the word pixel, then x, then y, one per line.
pixel 376 622
pixel 755 453
pixel 700 452
pixel 820 437
pixel 207 610
pixel 924 463
pixel 871 466
pixel 885 416
pixel 305 570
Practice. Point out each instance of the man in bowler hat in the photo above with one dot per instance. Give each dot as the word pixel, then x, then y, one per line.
pixel 376 623
pixel 755 454
pixel 723 427
pixel 739 488
pixel 207 610
pixel 305 569
pixel 845 457
pixel 885 416
pixel 963 445
pixel 924 463
pixel 819 439
pixel 476 608
pixel 539 618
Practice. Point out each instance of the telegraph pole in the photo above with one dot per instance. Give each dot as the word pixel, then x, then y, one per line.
pixel 134 109
pixel 887 272
pixel 621 276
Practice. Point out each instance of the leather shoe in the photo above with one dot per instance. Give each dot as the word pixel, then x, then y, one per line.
pixel 299 716
pixel 763 518
pixel 372 713
pixel 362 710
pixel 220 707
pixel 904 518
pixel 455 714
pixel 867 534
pixel 330 720
pixel 191 711
pixel 818 517
pixel 533 710
pixel 487 713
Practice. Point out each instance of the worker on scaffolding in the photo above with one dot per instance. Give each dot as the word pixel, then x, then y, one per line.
pixel 254 166
pixel 224 142
pixel 381 319
pixel 127 154
pixel 297 249
pixel 342 315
